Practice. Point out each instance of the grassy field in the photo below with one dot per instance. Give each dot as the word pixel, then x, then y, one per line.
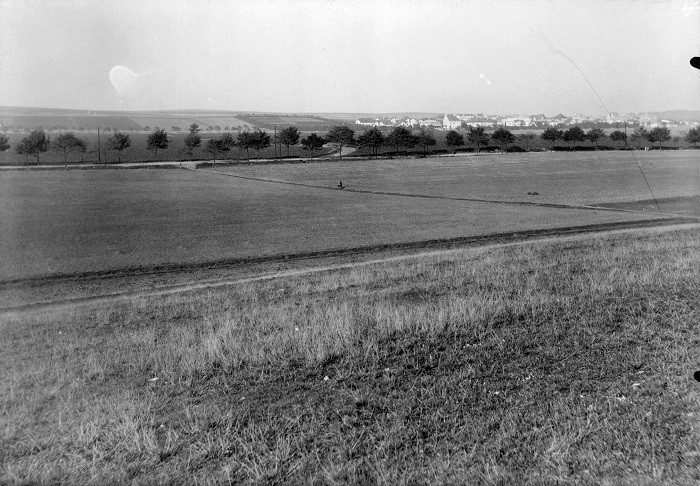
pixel 563 362
pixel 557 177
pixel 65 222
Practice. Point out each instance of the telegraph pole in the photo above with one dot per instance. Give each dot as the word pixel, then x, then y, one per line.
pixel 99 147
pixel 275 141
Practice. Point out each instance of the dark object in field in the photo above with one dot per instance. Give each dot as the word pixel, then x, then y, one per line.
pixel 696 375
pixel 533 193
pixel 340 185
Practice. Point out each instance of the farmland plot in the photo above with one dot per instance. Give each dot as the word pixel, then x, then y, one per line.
pixel 63 222
pixel 558 177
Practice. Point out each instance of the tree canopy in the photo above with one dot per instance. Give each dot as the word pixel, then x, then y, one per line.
pixel 659 134
pixel 426 140
pixel 260 140
pixel 640 133
pixel 477 136
pixel 527 139
pixel 35 144
pixel 595 134
pixel 503 137
pixel 618 136
pixel 573 135
pixel 119 141
pixel 219 145
pixel 551 135
pixel 454 139
pixel 212 146
pixel 192 141
pixel 312 142
pixel 340 135
pixel 68 142
pixel 371 139
pixel 693 136
pixel 157 139
pixel 4 142
pixel 289 136
pixel 400 137
pixel 245 142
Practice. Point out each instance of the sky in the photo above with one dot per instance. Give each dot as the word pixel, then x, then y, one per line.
pixel 326 56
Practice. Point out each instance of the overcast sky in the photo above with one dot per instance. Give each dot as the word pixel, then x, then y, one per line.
pixel 351 56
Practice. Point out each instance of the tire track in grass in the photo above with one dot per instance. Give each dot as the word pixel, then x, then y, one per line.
pixel 439 247
pixel 449 198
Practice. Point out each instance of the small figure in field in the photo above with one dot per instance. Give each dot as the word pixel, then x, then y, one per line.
pixel 340 185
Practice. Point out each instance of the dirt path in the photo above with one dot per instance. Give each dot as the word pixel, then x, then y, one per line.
pixel 345 151
pixel 488 241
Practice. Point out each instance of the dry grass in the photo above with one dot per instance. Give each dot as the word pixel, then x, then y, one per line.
pixel 559 177
pixel 67 222
pixel 560 362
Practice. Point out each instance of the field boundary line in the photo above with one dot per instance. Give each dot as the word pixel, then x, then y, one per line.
pixel 486 241
pixel 451 198
pixel 157 269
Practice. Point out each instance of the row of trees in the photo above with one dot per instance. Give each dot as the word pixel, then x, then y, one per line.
pixel 256 140
pixel 575 134
pixel 372 140
pixel 37 143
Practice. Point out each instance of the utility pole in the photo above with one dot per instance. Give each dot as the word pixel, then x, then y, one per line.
pixel 275 141
pixel 99 147
pixel 625 120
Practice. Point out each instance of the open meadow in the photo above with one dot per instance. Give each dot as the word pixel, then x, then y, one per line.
pixel 567 361
pixel 556 177
pixel 78 221
pixel 560 360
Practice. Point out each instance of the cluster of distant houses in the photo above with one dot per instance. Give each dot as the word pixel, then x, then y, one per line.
pixel 455 121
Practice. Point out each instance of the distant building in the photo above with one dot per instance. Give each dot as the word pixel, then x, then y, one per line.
pixel 646 119
pixel 429 122
pixel 366 122
pixel 518 122
pixel 451 122
pixel 613 117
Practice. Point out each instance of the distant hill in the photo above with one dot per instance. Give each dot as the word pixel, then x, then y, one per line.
pixel 681 115
pixel 23 118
